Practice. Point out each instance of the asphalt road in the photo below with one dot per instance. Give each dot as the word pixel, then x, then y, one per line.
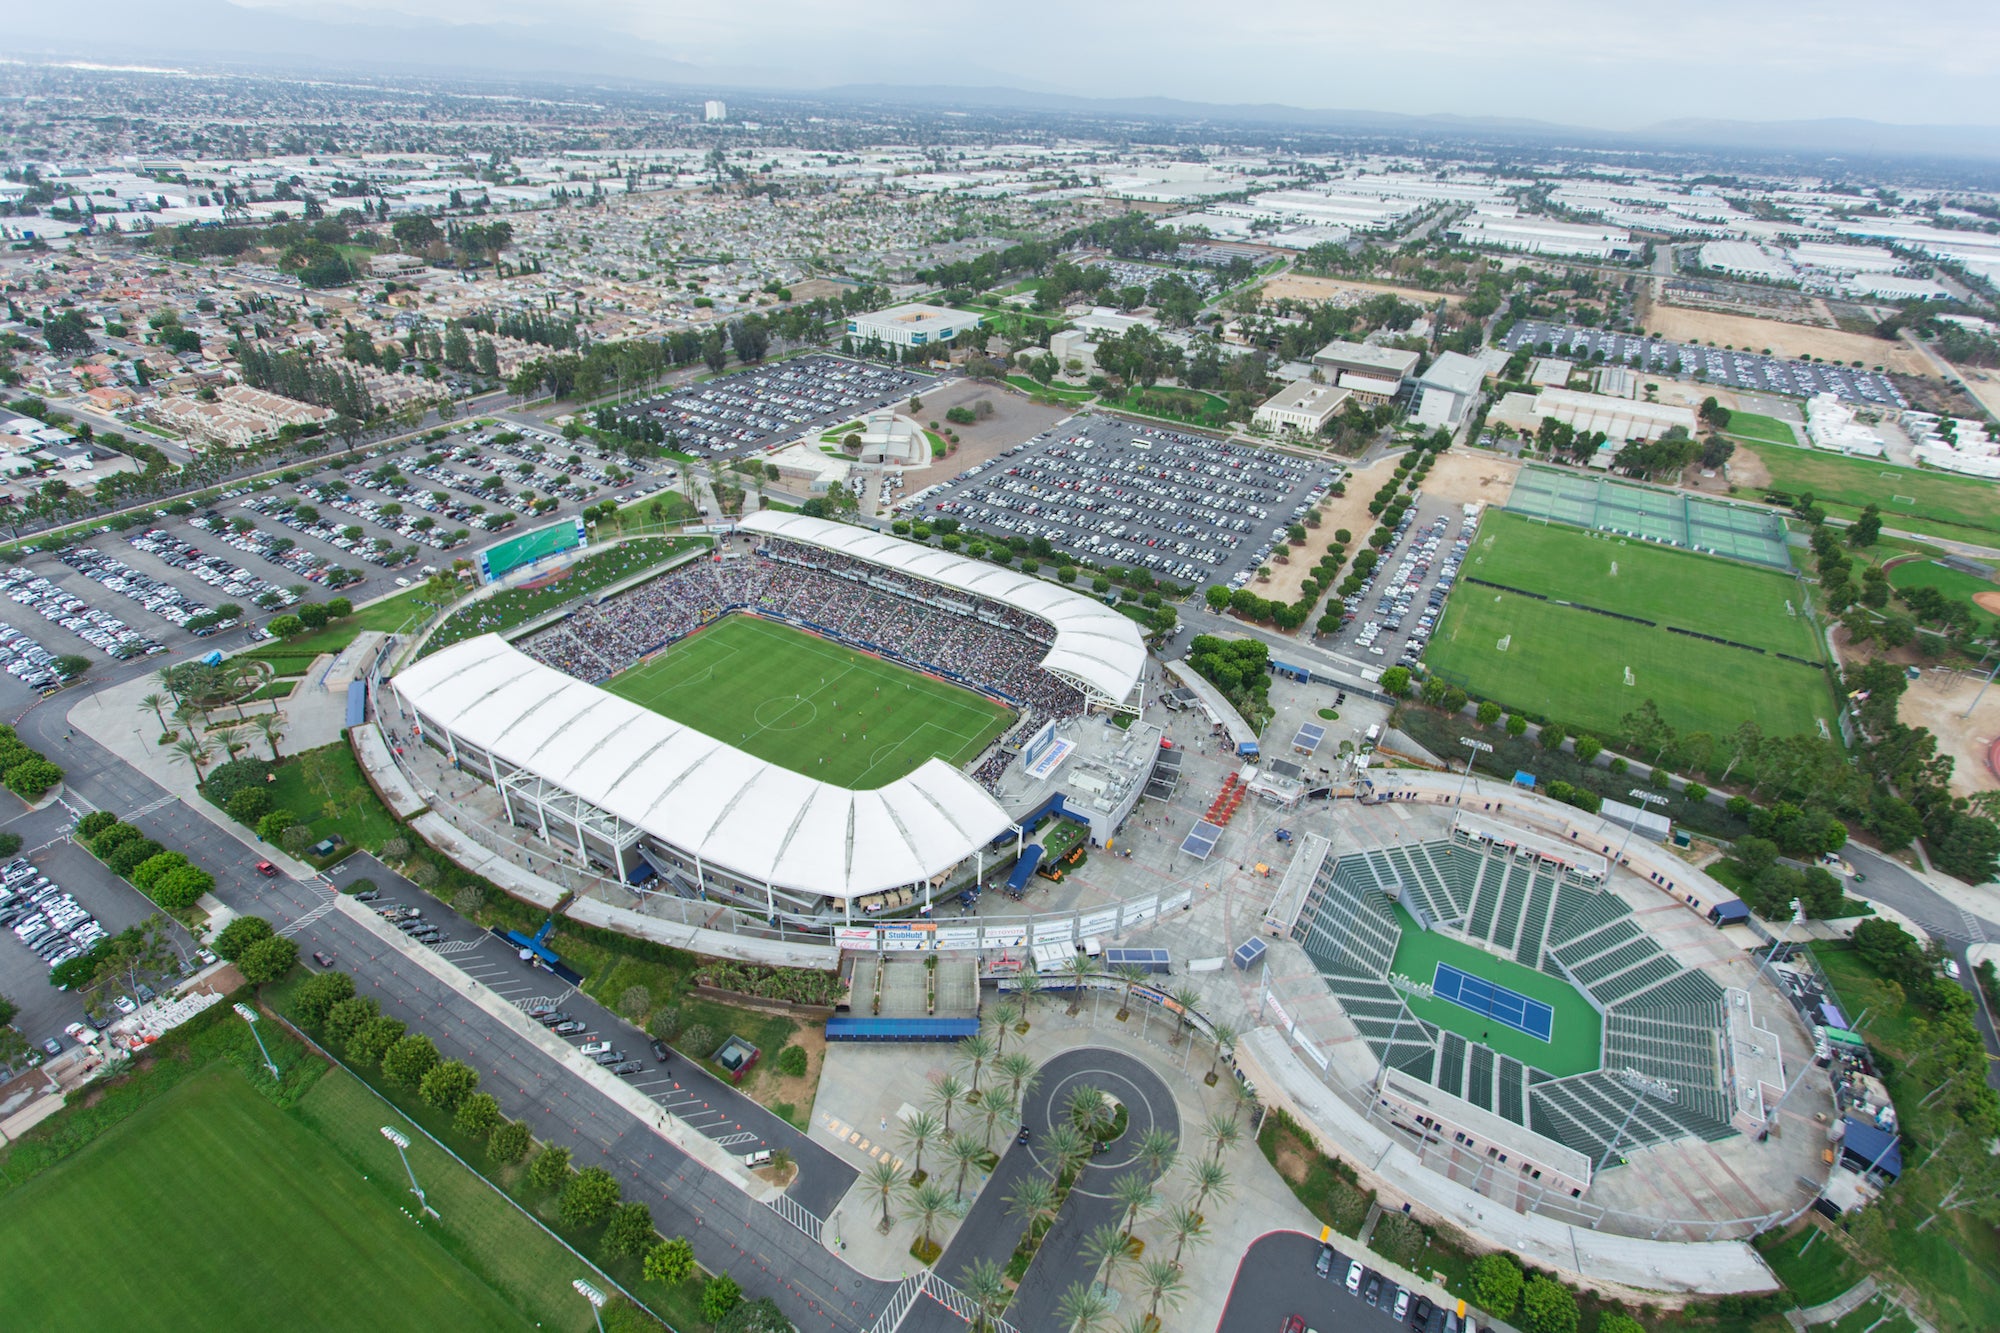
pixel 1276 1280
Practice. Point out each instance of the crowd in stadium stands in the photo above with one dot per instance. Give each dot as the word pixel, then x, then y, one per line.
pixel 931 626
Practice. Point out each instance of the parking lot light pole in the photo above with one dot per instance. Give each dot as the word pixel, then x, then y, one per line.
pixel 249 1015
pixel 403 1151
pixel 596 1299
pixel 1646 799
pixel 1472 747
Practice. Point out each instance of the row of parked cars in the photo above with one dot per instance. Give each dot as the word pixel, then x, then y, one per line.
pixel 278 550
pixel 162 599
pixel 1396 1302
pixel 59 606
pixel 230 579
pixel 409 920
pixel 589 1043
pixel 46 919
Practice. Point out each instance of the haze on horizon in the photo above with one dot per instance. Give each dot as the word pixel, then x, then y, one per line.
pixel 1578 62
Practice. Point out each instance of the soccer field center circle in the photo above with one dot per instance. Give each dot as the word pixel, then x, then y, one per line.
pixel 786 714
pixel 601 774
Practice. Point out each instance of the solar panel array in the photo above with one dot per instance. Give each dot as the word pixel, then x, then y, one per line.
pixel 1201 839
pixel 1309 737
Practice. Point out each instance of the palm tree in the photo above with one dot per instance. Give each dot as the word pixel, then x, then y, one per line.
pixel 1157 1150
pixel 920 1130
pixel 1135 1194
pixel 1028 985
pixel 1088 1109
pixel 986 1287
pixel 196 751
pixel 1189 999
pixel 883 1177
pixel 1108 1248
pixel 964 1150
pixel 1084 1308
pixel 1079 967
pixel 994 1106
pixel 1225 1041
pixel 931 1202
pixel 1066 1144
pixel 1005 1015
pixel 232 740
pixel 1019 1071
pixel 948 1092
pixel 1034 1200
pixel 272 724
pixel 1223 1130
pixel 1133 976
pixel 1209 1178
pixel 157 703
pixel 1162 1281
pixel 976 1050
pixel 1185 1223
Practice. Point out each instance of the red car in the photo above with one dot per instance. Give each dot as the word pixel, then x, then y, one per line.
pixel 267 870
pixel 1295 1324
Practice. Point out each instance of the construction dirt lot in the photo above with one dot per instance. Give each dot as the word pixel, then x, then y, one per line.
pixel 1685 325
pixel 1301 288
pixel 1936 701
pixel 1348 511
pixel 1472 476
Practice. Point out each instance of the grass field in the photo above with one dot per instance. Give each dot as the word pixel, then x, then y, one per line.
pixel 325 789
pixel 1760 428
pixel 1575 1035
pixel 1680 588
pixel 1953 583
pixel 810 705
pixel 1910 499
pixel 1570 666
pixel 213 1209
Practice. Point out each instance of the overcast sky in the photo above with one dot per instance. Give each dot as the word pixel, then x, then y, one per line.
pixel 1600 63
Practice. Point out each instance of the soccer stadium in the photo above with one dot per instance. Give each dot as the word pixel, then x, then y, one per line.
pixel 810 725
pixel 1516 1004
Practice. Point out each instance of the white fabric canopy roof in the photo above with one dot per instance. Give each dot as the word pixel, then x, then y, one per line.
pixel 1094 643
pixel 736 812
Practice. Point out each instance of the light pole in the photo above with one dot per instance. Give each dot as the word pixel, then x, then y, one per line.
pixel 596 1299
pixel 249 1015
pixel 1642 1088
pixel 403 1151
pixel 1797 918
pixel 1472 747
pixel 1646 799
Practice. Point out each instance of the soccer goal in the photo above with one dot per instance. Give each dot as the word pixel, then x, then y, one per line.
pixel 1630 679
pixel 1503 643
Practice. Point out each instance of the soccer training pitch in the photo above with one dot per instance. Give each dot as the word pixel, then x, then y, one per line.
pixel 1588 671
pixel 1575 1030
pixel 1911 499
pixel 811 705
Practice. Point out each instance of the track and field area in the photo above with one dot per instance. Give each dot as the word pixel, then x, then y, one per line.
pixel 1589 671
pixel 1576 1030
pixel 1680 588
pixel 212 1209
pixel 811 705
pixel 1606 504
pixel 1910 498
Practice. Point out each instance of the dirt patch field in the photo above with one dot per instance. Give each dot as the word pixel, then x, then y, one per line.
pixel 1014 420
pixel 1472 476
pixel 1683 324
pixel 1936 701
pixel 1746 469
pixel 1301 288
pixel 1348 511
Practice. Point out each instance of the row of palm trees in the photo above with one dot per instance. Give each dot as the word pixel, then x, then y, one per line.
pixel 184 691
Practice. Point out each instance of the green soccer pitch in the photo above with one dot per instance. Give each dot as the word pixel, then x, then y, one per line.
pixel 1575 1035
pixel 811 705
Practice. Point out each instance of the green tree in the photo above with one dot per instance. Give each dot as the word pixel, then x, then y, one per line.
pixel 630 1230
pixel 508 1143
pixel 373 1039
pixel 719 1297
pixel 1396 682
pixel 587 1197
pixel 670 1262
pixel 316 996
pixel 268 960
pixel 1517 725
pixel 1496 1284
pixel 550 1167
pixel 1547 1306
pixel 477 1116
pixel 411 1058
pixel 447 1085
pixel 346 1017
pixel 240 934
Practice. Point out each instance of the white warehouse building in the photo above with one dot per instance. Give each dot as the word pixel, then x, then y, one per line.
pixel 910 326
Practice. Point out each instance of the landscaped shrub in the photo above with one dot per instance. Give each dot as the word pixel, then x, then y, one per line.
pixel 792 1062
pixel 249 805
pixel 181 887
pixel 94 823
pixel 273 825
pixel 239 935
pixel 132 855
pixel 111 839
pixel 225 780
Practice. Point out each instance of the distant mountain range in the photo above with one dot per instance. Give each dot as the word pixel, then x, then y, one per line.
pixel 214 34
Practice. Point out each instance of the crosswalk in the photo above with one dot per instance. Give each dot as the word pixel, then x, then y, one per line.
pixel 301 922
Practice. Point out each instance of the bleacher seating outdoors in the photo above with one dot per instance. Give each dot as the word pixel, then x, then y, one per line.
pixel 1659 1018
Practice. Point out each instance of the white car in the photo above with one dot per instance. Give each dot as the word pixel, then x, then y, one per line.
pixel 594 1048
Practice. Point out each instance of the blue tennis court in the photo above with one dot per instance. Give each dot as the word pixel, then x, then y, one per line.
pixel 1509 1008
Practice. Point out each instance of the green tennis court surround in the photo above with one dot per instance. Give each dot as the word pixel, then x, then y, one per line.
pixel 816 707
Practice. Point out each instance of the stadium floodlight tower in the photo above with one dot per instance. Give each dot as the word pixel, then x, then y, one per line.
pixel 1472 747
pixel 249 1015
pixel 1647 800
pixel 596 1299
pixel 1643 1086
pixel 403 1151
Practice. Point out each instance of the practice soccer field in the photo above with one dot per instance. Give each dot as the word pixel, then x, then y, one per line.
pixel 1913 500
pixel 1685 589
pixel 1953 583
pixel 811 705
pixel 1763 429
pixel 1572 666
pixel 1575 1029
pixel 212 1209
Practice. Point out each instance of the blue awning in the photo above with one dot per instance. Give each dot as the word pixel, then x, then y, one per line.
pixel 357 704
pixel 1867 1147
pixel 853 1028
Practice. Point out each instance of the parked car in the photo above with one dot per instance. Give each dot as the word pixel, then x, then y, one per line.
pixel 661 1051
pixel 627 1068
pixel 568 1028
pixel 1354 1278
pixel 323 959
pixel 52 1046
pixel 1324 1264
pixel 593 1048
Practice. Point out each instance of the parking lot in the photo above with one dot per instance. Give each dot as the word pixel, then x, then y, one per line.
pixel 1397 608
pixel 752 408
pixel 1735 370
pixel 1190 508
pixel 1287 1275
